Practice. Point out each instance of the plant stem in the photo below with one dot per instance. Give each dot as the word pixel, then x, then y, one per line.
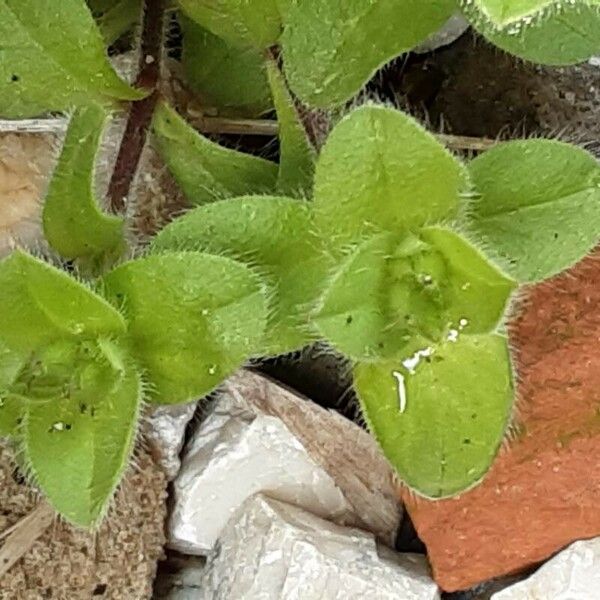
pixel 266 127
pixel 140 114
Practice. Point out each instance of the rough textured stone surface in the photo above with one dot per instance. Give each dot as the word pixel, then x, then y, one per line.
pixel 25 162
pixel 450 32
pixel 543 492
pixel 273 550
pixel 165 433
pixel 261 437
pixel 118 562
pixel 573 573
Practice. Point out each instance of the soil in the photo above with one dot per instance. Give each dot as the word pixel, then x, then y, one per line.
pixel 471 88
pixel 118 562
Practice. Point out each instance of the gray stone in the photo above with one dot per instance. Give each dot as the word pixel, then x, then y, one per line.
pixel 262 438
pixel 275 551
pixel 166 433
pixel 573 574
pixel 450 32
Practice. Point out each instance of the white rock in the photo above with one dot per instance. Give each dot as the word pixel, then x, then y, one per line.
pixel 261 437
pixel 166 433
pixel 275 551
pixel 449 33
pixel 573 574
pixel 595 61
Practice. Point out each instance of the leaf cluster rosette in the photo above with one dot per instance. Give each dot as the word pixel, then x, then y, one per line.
pixel 406 261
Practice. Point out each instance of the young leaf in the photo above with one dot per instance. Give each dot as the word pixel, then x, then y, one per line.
pixel 273 234
pixel 297 154
pixel 40 304
pixel 394 292
pixel 476 292
pixel 241 22
pixel 331 49
pixel 556 32
pixel 12 410
pixel 441 414
pixel 193 319
pixel 73 223
pixel 53 59
pixel 381 171
pixel 225 76
pixel 354 314
pixel 78 445
pixel 539 209
pixel 206 171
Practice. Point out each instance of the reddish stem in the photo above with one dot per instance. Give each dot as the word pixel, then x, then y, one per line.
pixel 140 114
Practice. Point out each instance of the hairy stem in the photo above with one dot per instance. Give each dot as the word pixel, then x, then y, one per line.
pixel 140 114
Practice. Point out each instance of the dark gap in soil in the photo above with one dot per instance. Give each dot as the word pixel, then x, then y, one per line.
pixel 408 539
pixel 318 374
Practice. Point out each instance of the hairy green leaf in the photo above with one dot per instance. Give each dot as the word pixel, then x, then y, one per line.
pixel 241 22
pixel 12 410
pixel 557 32
pixel 381 171
pixel 274 235
pixel 394 292
pixel 78 443
pixel 40 304
pixel 227 77
pixel 297 154
pixel 331 49
pixel 440 415
pixel 354 313
pixel 193 319
pixel 539 209
pixel 73 223
pixel 476 292
pixel 53 58
pixel 505 12
pixel 206 171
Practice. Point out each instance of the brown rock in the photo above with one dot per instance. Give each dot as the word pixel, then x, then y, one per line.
pixel 543 491
pixel 346 452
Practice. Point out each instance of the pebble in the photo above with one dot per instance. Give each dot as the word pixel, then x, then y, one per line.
pixel 573 574
pixel 261 437
pixel 273 550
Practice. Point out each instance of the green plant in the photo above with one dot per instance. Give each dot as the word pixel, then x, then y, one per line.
pixel 382 243
pixel 423 256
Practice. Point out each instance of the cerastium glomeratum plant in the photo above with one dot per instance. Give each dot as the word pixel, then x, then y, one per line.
pixel 381 243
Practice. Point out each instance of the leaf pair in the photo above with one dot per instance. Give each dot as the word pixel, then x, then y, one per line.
pixel 72 366
pixel 363 265
pixel 206 171
pixel 54 58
